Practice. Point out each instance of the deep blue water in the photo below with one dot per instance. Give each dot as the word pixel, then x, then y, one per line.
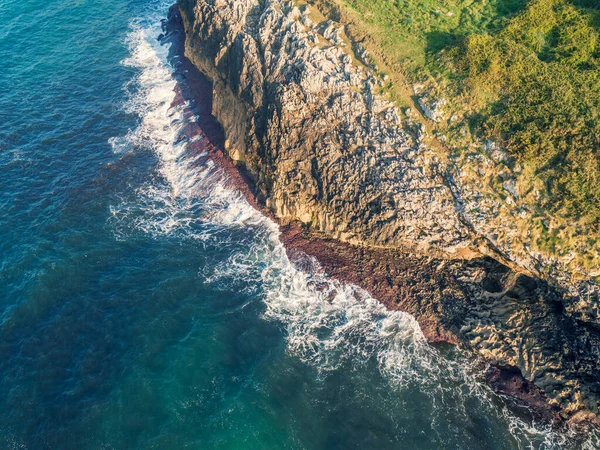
pixel 143 304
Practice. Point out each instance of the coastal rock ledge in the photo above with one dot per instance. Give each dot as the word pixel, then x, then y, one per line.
pixel 352 184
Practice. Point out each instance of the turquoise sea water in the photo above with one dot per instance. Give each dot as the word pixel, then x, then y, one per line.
pixel 145 305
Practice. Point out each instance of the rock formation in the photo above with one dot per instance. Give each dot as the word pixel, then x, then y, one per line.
pixel 304 118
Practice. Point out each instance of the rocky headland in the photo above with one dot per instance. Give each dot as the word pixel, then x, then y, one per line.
pixel 309 140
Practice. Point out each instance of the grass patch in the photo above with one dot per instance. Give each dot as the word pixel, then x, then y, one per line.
pixel 535 86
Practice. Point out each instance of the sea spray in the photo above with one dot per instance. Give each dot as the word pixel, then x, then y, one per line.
pixel 328 325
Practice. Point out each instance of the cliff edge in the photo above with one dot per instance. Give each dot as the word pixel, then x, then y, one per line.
pixel 334 161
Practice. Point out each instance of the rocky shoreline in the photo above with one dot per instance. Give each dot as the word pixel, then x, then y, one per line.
pixel 546 359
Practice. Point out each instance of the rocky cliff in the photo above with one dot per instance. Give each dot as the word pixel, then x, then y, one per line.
pixel 303 116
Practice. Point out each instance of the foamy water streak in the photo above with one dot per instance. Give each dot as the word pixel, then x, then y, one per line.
pixel 328 324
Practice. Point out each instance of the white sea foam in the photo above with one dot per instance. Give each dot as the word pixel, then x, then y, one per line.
pixel 328 324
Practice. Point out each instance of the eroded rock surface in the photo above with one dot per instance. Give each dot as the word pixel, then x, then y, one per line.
pixel 303 118
pixel 307 124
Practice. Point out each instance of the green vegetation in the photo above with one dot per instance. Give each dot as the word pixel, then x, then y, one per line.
pixel 409 30
pixel 522 73
pixel 535 86
pixel 527 73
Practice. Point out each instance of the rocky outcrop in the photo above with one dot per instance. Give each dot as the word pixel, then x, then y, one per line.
pixel 510 319
pixel 304 119
pixel 306 122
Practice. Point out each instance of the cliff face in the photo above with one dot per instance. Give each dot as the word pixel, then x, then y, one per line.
pixel 302 115
pixel 306 123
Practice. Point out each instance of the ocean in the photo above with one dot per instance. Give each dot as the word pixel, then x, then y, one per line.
pixel 144 304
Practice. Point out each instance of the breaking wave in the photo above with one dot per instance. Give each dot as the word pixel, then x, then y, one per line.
pixel 328 324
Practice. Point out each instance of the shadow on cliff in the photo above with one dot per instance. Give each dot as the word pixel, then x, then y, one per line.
pixel 195 90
